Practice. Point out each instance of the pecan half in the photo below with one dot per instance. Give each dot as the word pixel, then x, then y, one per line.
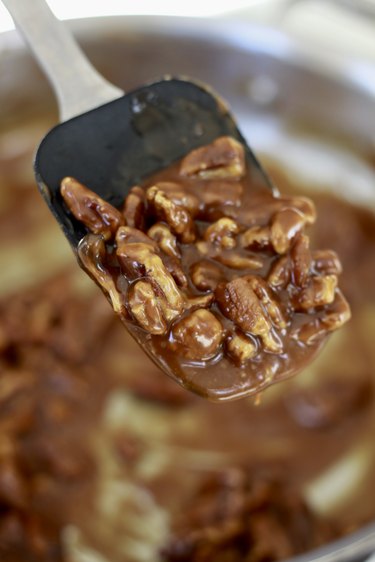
pixel 319 291
pixel 240 301
pixel 327 262
pixel 165 239
pixel 175 269
pixel 335 315
pixel 285 225
pixel 222 233
pixel 301 260
pixel 280 273
pixel 224 158
pixel 139 259
pixel 145 306
pixel 178 218
pixel 96 214
pixel 92 254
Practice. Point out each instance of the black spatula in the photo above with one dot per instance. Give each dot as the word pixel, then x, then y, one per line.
pixel 111 141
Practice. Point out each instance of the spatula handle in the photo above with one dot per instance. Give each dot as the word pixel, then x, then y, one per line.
pixel 78 86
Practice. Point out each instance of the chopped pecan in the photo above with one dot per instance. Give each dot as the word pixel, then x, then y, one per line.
pixel 239 301
pixel 336 314
pixel 165 239
pixel 223 233
pixel 241 348
pixel 309 333
pixel 92 254
pixel 134 208
pixel 301 260
pixel 96 214
pixel 178 218
pixel 319 291
pixel 145 307
pixel 130 235
pixel 134 254
pixel 305 206
pixel 139 259
pixel 175 269
pixel 198 336
pixel 257 237
pixel 224 158
pixel 206 275
pixel 285 225
pixel 327 262
pixel 180 196
pixel 266 297
pixel 279 275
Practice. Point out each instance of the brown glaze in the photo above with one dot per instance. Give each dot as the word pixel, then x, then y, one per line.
pixel 223 293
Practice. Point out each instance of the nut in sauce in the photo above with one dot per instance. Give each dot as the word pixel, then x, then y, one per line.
pixel 228 301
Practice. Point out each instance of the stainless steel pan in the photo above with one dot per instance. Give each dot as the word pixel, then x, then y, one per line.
pixel 274 85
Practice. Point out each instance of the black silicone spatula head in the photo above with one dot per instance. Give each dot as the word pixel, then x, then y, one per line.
pixel 117 145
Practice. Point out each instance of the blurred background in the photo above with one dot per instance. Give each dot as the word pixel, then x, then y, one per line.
pixel 342 26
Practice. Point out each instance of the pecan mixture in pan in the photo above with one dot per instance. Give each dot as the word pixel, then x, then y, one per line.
pixel 249 515
pixel 211 273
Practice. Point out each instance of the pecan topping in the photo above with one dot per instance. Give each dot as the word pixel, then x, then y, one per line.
pixel 183 269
